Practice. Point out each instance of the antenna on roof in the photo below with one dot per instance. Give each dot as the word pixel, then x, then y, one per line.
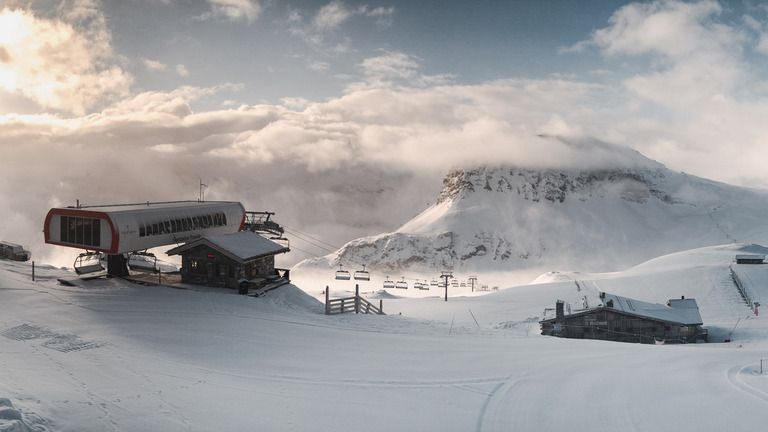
pixel 202 192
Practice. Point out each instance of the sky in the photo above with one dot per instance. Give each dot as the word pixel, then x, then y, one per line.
pixel 344 116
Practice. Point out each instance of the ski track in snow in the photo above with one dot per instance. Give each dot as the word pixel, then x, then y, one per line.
pixel 495 402
pixel 738 375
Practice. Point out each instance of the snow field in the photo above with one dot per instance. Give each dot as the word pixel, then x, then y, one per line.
pixel 204 359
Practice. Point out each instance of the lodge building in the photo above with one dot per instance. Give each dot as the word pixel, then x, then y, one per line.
pixel 623 319
pixel 241 260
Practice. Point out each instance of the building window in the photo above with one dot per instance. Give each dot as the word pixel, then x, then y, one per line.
pixel 198 267
pixel 80 231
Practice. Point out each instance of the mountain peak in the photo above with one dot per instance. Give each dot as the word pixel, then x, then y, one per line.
pixel 610 209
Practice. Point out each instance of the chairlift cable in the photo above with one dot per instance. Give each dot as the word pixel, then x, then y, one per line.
pixel 307 235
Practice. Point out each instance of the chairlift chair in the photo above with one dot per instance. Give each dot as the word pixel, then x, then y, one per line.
pixel 342 274
pixel 281 241
pixel 88 262
pixel 401 284
pixel 362 275
pixel 143 261
pixel 388 283
pixel 420 286
pixel 434 283
pixel 455 283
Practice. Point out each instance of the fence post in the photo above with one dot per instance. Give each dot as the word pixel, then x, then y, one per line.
pixel 381 306
pixel 33 271
pixel 357 298
pixel 327 306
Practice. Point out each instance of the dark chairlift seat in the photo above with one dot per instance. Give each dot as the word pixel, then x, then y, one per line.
pixel 342 274
pixel 143 261
pixel 88 262
pixel 362 275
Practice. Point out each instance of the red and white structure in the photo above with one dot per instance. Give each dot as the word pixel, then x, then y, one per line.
pixel 124 228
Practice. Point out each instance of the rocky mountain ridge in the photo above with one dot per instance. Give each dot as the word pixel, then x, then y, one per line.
pixel 588 219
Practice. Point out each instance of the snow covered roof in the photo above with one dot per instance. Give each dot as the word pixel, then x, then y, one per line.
pixel 760 257
pixel 241 246
pixel 683 311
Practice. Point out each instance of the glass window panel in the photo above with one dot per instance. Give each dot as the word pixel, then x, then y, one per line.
pixel 79 231
pixel 97 232
pixel 87 231
pixel 72 230
pixel 63 228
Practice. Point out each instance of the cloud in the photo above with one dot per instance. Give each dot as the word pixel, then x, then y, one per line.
pixel 234 10
pixel 323 32
pixel 338 168
pixel 393 68
pixel 63 63
pixel 330 16
pixel 695 57
pixel 181 70
pixel 154 65
pixel 368 160
pixel 383 15
pixel 695 95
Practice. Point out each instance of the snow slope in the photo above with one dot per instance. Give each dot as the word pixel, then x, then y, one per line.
pixel 111 355
pixel 611 209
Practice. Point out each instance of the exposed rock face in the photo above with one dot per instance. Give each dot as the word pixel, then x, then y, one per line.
pixel 598 219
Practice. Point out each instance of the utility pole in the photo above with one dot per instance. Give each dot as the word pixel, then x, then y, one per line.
pixel 202 192
pixel 445 275
pixel 472 280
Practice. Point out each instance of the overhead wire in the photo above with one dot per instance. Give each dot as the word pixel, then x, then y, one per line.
pixel 318 243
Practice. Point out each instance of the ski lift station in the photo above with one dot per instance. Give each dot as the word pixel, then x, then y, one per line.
pixel 124 232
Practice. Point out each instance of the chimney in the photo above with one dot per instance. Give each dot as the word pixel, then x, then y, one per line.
pixel 559 310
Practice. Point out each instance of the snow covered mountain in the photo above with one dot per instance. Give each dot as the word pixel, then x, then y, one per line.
pixel 607 209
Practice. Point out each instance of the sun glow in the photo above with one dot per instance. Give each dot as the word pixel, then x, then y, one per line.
pixel 14 28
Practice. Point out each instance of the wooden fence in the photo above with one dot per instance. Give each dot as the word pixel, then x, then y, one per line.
pixel 354 304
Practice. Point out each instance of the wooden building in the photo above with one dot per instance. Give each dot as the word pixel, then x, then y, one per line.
pixel 238 260
pixel 627 320
pixel 750 259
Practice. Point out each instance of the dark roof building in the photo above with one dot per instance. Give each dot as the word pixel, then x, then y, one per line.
pixel 750 259
pixel 627 320
pixel 231 260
